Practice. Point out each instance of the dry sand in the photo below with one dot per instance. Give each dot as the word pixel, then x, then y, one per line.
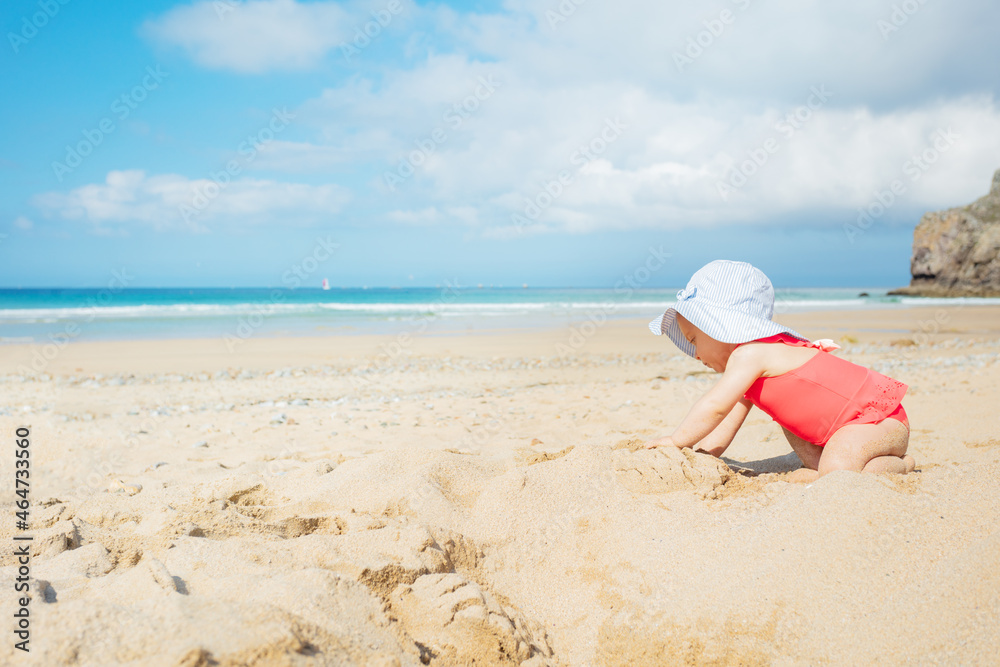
pixel 456 500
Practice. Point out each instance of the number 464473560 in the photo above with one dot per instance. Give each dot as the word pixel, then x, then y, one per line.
pixel 22 474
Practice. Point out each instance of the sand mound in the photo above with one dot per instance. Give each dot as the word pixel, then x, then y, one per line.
pixel 666 469
pixel 604 555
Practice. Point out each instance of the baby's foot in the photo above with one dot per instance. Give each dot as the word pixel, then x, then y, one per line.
pixel 909 462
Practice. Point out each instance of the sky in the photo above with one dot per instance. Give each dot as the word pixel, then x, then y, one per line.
pixel 548 142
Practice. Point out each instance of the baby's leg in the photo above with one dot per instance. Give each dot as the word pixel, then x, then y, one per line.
pixel 868 447
pixel 808 453
pixel 897 464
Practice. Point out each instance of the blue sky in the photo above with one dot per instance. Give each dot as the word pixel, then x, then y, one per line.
pixel 546 142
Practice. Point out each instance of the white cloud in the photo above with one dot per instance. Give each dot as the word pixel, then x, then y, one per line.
pixel 22 222
pixel 663 169
pixel 297 156
pixel 171 201
pixel 767 50
pixel 757 50
pixel 685 125
pixel 254 36
pixel 429 215
pixel 466 215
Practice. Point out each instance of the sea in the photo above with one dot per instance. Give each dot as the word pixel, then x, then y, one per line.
pixel 64 315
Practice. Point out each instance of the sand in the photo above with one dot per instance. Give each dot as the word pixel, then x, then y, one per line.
pixel 460 500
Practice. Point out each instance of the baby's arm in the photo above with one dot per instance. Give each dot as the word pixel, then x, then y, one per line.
pixel 744 367
pixel 718 441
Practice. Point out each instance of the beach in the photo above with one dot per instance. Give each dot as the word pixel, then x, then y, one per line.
pixel 452 499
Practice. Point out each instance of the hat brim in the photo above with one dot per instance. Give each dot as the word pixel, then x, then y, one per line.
pixel 723 324
pixel 667 324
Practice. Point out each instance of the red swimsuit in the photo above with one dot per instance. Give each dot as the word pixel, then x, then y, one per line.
pixel 816 399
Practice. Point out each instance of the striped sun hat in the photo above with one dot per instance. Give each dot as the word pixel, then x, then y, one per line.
pixel 730 301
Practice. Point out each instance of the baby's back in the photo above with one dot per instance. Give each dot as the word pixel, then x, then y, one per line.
pixel 780 354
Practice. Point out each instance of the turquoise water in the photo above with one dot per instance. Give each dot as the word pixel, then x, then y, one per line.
pixel 37 315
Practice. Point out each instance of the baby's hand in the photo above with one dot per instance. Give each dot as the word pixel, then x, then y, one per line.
pixel 665 441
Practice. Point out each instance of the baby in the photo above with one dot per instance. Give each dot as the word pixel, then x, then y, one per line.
pixel 835 414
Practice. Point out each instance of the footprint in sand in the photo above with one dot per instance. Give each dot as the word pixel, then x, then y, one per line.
pixel 667 469
pixel 57 538
pixel 456 620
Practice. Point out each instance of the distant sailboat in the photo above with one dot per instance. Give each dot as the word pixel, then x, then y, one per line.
pixel 326 284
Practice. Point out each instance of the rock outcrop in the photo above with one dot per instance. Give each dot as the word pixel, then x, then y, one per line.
pixel 957 252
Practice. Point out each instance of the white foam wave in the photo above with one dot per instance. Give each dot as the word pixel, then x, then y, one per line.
pixel 438 308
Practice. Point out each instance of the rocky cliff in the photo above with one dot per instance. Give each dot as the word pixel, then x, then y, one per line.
pixel 957 252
